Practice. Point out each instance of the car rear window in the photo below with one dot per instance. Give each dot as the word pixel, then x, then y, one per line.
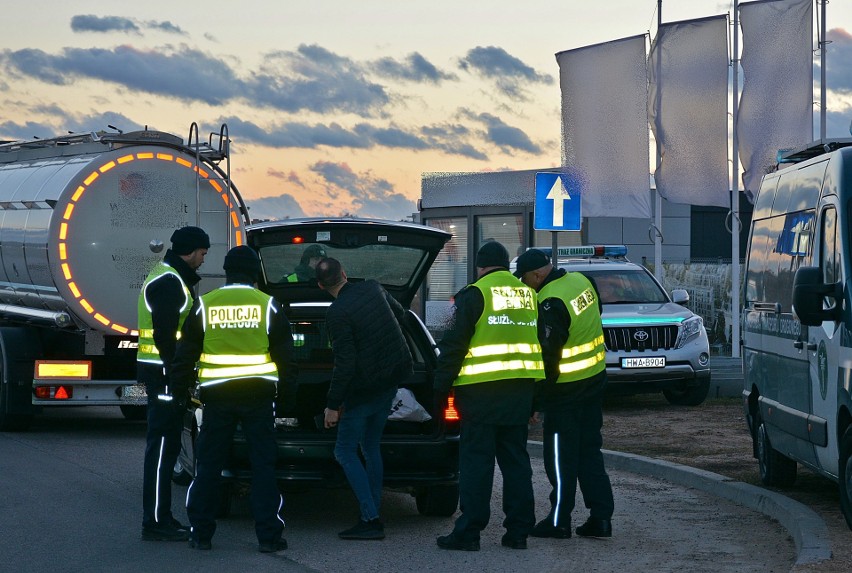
pixel 626 286
pixel 388 264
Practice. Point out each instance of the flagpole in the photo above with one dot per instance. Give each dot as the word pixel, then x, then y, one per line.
pixel 822 47
pixel 658 200
pixel 736 225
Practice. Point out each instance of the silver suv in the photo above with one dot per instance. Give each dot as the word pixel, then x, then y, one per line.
pixel 653 343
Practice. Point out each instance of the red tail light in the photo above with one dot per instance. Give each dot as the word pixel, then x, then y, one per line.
pixel 54 392
pixel 450 413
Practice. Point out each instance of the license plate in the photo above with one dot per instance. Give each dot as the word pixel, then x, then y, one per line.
pixel 649 362
pixel 135 392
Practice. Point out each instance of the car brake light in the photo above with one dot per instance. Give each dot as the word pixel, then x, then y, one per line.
pixel 54 392
pixel 450 413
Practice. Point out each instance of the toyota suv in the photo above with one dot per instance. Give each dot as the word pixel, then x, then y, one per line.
pixel 653 342
pixel 420 455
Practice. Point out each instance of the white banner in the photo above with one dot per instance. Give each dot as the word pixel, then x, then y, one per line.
pixel 605 126
pixel 688 108
pixel 776 105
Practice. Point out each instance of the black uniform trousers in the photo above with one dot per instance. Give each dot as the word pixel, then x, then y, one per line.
pixel 212 449
pixel 479 445
pixel 165 423
pixel 572 454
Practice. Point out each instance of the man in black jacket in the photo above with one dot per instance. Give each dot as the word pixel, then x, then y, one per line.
pixel 163 306
pixel 371 358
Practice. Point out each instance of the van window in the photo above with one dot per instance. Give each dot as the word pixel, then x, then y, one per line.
pixel 765 198
pixel 758 250
pixel 806 192
pixel 786 183
pixel 830 257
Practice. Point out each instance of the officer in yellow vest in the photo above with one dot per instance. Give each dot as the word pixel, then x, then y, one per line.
pixel 243 344
pixel 164 304
pixel 490 357
pixel 574 353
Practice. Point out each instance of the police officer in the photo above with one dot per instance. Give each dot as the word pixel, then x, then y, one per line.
pixel 572 344
pixel 164 304
pixel 491 358
pixel 305 271
pixel 242 342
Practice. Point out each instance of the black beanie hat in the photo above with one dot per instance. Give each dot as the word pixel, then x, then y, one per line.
pixel 187 239
pixel 243 261
pixel 492 254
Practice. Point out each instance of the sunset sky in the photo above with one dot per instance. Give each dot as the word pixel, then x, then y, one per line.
pixel 333 107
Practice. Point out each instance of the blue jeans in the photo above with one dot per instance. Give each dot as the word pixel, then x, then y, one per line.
pixel 362 425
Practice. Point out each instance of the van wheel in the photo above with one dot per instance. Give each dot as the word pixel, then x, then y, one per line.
pixel 776 469
pixel 694 396
pixel 134 412
pixel 845 467
pixel 438 500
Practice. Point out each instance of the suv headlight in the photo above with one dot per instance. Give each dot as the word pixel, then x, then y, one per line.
pixel 689 329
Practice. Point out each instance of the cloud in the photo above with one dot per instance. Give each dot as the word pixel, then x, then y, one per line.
pixel 415 68
pixel 105 24
pixel 371 197
pixel 503 135
pixel 839 60
pixel 59 123
pixel 291 177
pixel 184 74
pixel 315 79
pixel 283 206
pixel 509 74
pixel 92 23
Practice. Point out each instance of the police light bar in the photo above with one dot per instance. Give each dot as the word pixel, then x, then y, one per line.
pixel 592 251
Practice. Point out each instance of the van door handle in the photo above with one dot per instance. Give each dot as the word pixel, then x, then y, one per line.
pixel 801 344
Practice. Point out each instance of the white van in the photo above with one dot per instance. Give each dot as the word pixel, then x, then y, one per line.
pixel 797 319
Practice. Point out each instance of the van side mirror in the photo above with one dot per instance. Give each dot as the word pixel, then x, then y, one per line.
pixel 808 294
pixel 680 296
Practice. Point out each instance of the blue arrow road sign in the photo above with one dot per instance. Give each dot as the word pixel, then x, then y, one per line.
pixel 557 203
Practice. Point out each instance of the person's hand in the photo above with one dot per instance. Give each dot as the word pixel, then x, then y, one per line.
pixel 535 419
pixel 331 418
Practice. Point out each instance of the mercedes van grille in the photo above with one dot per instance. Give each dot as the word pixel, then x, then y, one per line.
pixel 640 338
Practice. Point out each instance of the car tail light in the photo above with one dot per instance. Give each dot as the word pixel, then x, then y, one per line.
pixel 450 412
pixel 54 392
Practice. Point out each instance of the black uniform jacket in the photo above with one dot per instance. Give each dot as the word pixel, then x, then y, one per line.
pixel 370 351
pixel 554 332
pixel 191 343
pixel 495 402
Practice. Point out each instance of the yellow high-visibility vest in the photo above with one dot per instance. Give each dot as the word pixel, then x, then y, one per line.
pixel 147 350
pixel 236 336
pixel 505 343
pixel 584 354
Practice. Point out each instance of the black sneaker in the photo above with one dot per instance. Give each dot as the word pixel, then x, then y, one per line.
pixel 372 529
pixel 455 542
pixel 200 544
pixel 273 546
pixel 513 542
pixel 164 532
pixel 595 527
pixel 545 528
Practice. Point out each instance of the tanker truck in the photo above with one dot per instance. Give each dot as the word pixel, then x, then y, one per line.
pixel 83 219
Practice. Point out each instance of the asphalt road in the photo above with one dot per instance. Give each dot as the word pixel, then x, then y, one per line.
pixel 71 490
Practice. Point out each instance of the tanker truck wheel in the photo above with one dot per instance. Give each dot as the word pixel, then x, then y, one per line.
pixel 134 412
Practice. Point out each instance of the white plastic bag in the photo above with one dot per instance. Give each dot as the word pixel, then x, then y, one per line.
pixel 406 408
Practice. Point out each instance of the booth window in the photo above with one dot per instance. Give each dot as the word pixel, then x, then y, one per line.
pixel 505 229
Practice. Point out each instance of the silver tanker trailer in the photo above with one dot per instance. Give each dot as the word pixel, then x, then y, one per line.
pixel 83 218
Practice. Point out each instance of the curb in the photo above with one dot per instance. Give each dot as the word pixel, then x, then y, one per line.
pixel 807 529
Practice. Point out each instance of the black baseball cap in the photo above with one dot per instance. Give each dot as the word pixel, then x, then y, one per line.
pixel 531 260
